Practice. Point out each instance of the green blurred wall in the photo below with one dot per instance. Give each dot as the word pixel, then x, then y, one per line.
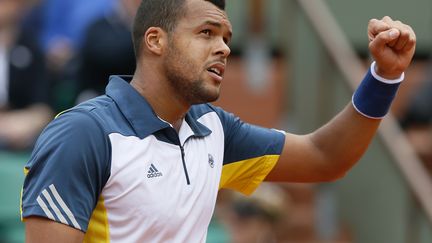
pixel 353 17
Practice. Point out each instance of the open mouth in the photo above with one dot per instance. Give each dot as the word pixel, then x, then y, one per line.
pixel 215 71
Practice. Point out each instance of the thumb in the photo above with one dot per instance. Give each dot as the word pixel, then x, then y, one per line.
pixel 388 37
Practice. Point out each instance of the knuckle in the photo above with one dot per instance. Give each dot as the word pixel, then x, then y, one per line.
pixel 404 33
pixel 372 21
pixel 412 39
pixel 372 47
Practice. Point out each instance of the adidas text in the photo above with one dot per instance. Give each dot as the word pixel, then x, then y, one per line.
pixel 156 174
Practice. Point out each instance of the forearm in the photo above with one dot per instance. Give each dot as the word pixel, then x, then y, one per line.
pixel 345 138
pixel 342 141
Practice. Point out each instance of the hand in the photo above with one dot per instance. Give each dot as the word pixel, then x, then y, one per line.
pixel 392 45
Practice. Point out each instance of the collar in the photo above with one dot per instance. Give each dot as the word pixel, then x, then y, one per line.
pixel 140 114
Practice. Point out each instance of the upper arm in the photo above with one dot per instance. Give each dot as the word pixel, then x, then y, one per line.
pixel 300 161
pixel 250 152
pixel 327 153
pixel 39 229
pixel 66 172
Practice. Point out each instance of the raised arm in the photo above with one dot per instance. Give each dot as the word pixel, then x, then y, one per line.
pixel 331 150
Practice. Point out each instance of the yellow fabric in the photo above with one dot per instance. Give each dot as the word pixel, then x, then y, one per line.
pixel 246 175
pixel 61 113
pixel 26 171
pixel 98 230
pixel 21 211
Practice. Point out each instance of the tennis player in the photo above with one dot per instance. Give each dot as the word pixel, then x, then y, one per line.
pixel 145 161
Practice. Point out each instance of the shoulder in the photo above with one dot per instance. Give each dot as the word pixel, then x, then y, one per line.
pixel 73 139
pixel 80 125
pixel 86 116
pixel 75 131
pixel 99 112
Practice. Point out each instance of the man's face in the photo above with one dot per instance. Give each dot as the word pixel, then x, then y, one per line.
pixel 197 52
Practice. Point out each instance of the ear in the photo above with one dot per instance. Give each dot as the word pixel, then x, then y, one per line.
pixel 155 40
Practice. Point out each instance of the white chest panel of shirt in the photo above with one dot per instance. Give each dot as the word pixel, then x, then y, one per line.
pixel 147 197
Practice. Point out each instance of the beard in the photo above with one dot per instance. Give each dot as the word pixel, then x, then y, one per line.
pixel 185 78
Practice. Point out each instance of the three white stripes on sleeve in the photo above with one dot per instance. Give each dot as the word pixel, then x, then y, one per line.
pixel 45 195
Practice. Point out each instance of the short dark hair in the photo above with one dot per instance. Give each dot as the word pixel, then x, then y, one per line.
pixel 160 13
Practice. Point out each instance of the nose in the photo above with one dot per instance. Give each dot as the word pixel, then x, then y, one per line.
pixel 223 49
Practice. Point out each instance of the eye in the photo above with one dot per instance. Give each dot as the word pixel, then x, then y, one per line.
pixel 206 32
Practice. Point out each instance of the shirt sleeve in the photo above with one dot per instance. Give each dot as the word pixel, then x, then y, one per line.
pixel 67 170
pixel 250 153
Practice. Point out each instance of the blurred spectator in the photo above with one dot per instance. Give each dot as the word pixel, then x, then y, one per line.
pixel 254 219
pixel 107 49
pixel 59 27
pixel 24 92
pixel 63 23
pixel 417 121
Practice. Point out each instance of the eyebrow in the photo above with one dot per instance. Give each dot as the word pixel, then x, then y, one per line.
pixel 218 25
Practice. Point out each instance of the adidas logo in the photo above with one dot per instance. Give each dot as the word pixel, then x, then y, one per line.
pixel 153 172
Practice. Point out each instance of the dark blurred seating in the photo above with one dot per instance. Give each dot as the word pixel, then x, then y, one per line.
pixel 417 119
pixel 107 49
pixel 24 90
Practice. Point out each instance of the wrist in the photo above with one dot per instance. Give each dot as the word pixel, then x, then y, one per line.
pixel 385 77
pixel 375 94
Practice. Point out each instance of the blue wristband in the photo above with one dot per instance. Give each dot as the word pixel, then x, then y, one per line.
pixel 375 94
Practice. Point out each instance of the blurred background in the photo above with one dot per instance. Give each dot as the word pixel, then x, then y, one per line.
pixel 294 65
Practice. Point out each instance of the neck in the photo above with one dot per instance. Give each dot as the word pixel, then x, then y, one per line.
pixel 161 97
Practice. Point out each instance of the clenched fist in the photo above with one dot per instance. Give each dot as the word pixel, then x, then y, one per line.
pixel 392 45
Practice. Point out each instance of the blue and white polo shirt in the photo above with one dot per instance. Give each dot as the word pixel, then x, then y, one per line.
pixel 111 168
